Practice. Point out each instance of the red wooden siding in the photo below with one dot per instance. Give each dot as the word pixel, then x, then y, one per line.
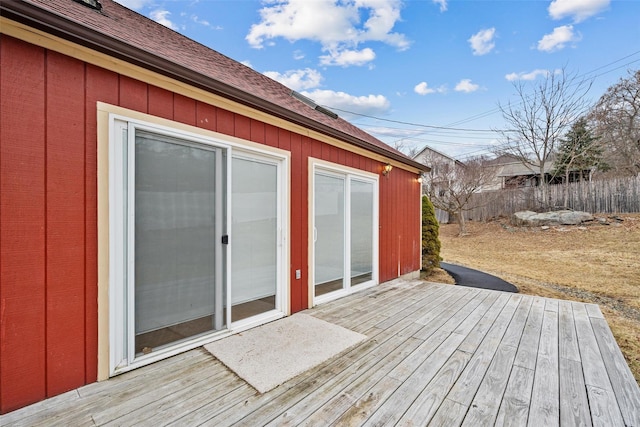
pixel 48 209
pixel 23 224
pixel 65 162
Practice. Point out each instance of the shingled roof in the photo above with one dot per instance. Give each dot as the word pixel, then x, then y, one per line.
pixel 125 34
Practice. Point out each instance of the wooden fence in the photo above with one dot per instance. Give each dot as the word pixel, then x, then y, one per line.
pixel 612 196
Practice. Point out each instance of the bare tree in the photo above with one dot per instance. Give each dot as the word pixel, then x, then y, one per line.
pixel 616 122
pixel 451 186
pixel 539 118
pixel 405 147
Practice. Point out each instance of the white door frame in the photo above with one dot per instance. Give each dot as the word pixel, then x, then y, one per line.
pixel 349 174
pixel 121 330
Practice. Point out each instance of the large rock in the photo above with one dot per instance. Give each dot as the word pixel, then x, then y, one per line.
pixel 529 218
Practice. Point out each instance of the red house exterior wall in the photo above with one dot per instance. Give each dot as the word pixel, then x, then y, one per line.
pixel 48 209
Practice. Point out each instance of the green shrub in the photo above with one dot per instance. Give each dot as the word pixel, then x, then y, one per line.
pixel 430 241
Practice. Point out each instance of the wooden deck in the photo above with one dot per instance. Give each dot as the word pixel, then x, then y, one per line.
pixel 436 355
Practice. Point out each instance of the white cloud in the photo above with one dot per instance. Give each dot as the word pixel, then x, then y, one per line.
pixel 532 75
pixel 247 63
pixel 197 20
pixel 204 22
pixel 162 17
pixel 423 88
pixel 341 28
pixel 442 3
pixel 466 86
pixel 298 55
pixel 345 58
pixel 297 79
pixel 372 105
pixel 482 42
pixel 558 39
pixel 579 10
pixel 134 4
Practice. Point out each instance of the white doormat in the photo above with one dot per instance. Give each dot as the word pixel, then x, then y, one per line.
pixel 271 354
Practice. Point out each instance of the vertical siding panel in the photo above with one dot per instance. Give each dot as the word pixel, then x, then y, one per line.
pixel 225 121
pixel 206 116
pixel 65 320
pixel 242 127
pixel 133 94
pixel 356 161
pixel 348 158
pixel 417 207
pixel 184 109
pixel 316 149
pixel 333 154
pixel 284 139
pixel 102 85
pixel 22 224
pixel 257 132
pixel 271 135
pixel 394 221
pixel 296 222
pixel 407 217
pixel 305 240
pixel 160 102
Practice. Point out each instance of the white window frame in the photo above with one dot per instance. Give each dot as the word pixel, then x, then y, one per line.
pixel 121 352
pixel 349 174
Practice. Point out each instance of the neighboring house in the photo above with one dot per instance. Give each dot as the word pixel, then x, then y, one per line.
pixel 157 195
pixel 510 173
pixel 443 167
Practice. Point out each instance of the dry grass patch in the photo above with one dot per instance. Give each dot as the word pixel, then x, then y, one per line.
pixel 595 263
pixel 438 275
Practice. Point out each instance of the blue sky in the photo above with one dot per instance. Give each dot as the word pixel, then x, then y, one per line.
pixel 415 72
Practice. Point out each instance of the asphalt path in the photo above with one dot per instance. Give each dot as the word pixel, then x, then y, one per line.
pixel 476 279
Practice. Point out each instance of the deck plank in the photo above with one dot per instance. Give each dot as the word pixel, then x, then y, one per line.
pixel 395 406
pixel 574 405
pixel 625 388
pixel 486 405
pixel 477 334
pixel 369 371
pixel 427 403
pixel 568 341
pixel 364 392
pixel 514 408
pixel 545 398
pixel 467 385
pixel 602 402
pixel 528 348
pixel 449 414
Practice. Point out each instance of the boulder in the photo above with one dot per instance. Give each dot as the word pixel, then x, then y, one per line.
pixel 565 217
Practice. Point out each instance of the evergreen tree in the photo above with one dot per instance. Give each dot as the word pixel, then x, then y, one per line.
pixel 579 152
pixel 430 240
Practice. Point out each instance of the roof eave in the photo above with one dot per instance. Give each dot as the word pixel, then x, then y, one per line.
pixel 60 26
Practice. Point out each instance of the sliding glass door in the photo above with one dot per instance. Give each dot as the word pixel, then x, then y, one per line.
pixel 362 238
pixel 329 233
pixel 177 269
pixel 344 233
pixel 196 232
pixel 254 249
